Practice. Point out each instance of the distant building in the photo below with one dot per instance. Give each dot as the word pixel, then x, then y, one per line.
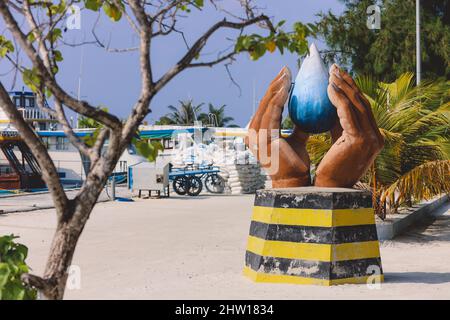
pixel 25 102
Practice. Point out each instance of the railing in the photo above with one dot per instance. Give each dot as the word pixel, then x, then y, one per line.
pixel 35 114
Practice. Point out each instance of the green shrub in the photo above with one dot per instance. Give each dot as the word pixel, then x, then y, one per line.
pixel 12 266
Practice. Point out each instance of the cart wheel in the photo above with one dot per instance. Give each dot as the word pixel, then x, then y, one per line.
pixel 215 183
pixel 180 185
pixel 195 186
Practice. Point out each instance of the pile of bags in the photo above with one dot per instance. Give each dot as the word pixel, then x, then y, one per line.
pixel 238 167
pixel 243 178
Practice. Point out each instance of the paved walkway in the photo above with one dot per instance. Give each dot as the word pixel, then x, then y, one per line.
pixel 185 248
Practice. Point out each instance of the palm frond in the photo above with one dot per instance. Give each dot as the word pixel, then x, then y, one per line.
pixel 423 182
pixel 317 147
pixel 415 123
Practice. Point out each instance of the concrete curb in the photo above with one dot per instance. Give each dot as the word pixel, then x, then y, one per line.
pixel 42 207
pixel 399 223
pixel 32 193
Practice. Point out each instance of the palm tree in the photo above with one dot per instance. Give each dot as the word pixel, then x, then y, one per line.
pixel 186 114
pixel 217 116
pixel 415 122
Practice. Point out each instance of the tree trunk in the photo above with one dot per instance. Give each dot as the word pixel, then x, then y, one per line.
pixel 60 259
pixel 63 247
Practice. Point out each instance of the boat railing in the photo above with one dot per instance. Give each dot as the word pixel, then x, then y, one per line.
pixel 35 114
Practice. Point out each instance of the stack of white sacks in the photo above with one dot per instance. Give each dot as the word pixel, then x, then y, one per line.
pixel 238 167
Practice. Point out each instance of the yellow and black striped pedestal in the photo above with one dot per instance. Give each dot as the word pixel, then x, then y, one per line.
pixel 310 235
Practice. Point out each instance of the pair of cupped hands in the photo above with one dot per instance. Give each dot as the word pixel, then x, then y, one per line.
pixel 355 135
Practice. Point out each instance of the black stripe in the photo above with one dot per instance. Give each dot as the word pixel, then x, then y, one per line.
pixel 313 198
pixel 307 234
pixel 355 268
pixel 312 269
pixel 360 233
pixel 300 268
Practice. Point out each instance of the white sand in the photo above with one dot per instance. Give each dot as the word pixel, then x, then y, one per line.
pixel 185 248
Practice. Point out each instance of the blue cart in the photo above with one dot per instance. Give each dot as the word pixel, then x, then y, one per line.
pixel 189 179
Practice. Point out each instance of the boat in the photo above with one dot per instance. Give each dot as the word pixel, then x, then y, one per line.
pixel 19 169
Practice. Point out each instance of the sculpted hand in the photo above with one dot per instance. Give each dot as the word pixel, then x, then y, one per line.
pixel 285 159
pixel 357 140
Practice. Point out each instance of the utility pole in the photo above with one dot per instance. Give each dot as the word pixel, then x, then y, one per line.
pixel 79 81
pixel 418 48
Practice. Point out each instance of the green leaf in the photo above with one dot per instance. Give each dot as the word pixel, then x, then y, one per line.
pixel 112 11
pixel 280 24
pixel 54 35
pixel 257 45
pixel 199 3
pixel 31 37
pixel 12 267
pixel 93 5
pixel 6 46
pixel 148 150
pixel 31 79
pixel 56 8
pixel 13 290
pixel 22 251
pixel 58 56
pixel 4 274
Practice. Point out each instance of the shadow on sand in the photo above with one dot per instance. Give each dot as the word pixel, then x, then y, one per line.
pixel 435 228
pixel 417 277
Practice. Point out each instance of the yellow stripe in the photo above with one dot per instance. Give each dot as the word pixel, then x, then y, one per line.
pixel 313 251
pixel 9 138
pixel 289 250
pixel 355 250
pixel 275 278
pixel 314 217
pixel 358 280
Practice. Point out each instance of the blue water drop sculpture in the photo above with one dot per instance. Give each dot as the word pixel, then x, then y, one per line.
pixel 309 106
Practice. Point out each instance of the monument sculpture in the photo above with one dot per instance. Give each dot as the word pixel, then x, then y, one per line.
pixel 314 231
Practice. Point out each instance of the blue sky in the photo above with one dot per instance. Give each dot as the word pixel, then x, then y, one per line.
pixel 112 79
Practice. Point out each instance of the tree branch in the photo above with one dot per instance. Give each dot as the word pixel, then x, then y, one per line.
pixel 49 172
pixel 200 44
pixel 81 107
pixel 73 138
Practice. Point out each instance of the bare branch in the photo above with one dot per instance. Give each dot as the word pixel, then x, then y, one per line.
pixel 141 108
pixel 37 282
pixel 73 138
pixel 213 62
pixel 200 44
pixel 106 47
pixel 81 107
pixel 97 148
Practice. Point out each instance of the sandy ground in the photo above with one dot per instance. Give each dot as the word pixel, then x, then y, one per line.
pixel 184 248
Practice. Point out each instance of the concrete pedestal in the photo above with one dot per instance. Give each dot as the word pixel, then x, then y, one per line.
pixel 310 235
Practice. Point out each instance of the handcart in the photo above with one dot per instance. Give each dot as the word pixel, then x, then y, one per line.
pixel 189 179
